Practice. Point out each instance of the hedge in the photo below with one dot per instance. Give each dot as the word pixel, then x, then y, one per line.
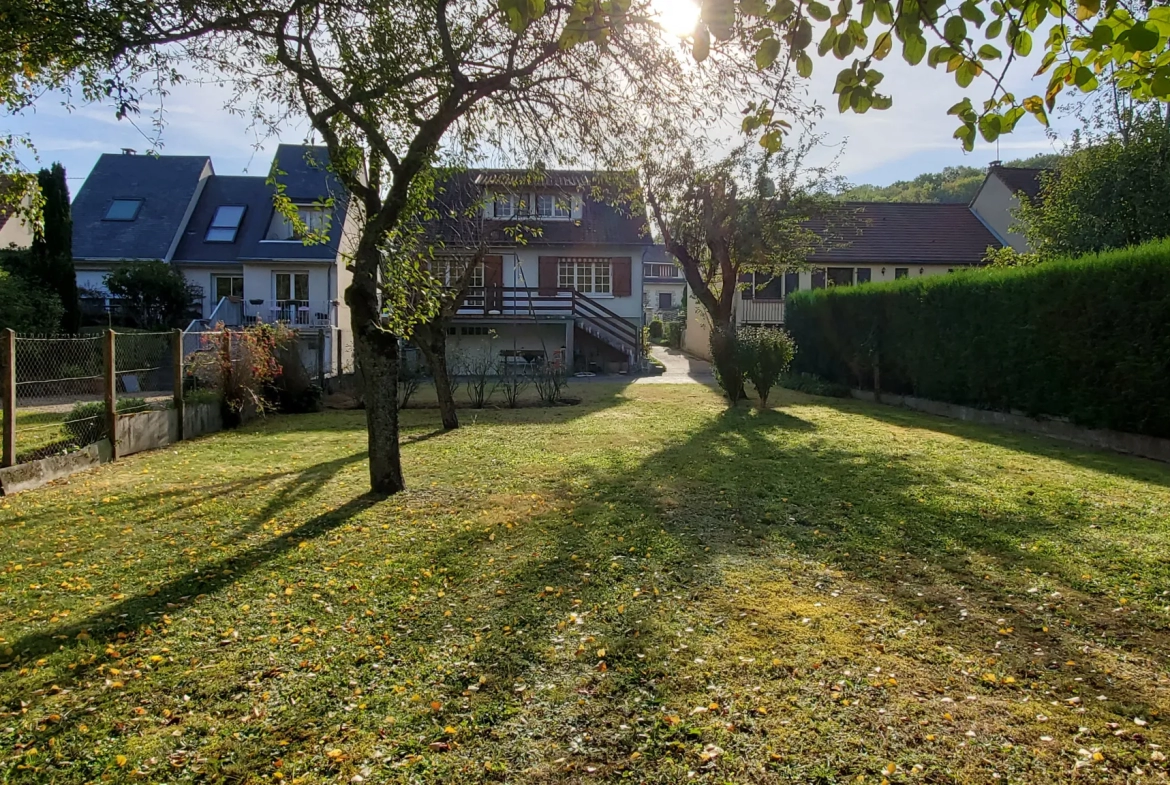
pixel 1085 339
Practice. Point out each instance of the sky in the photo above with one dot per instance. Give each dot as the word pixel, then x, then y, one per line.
pixel 911 138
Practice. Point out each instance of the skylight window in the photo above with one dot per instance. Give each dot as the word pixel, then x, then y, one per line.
pixel 225 224
pixel 123 210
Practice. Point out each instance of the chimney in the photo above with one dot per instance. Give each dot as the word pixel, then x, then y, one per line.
pixel 994 165
pixel 129 151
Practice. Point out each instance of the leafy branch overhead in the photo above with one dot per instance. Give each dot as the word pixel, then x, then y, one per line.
pixel 1083 41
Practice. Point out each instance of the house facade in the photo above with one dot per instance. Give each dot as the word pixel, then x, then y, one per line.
pixel 15 231
pixel 245 258
pixel 562 273
pixel 999 197
pixel 663 285
pixel 876 241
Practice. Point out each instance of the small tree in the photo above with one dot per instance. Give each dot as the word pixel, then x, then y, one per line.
pixel 155 294
pixel 27 307
pixel 767 352
pixel 52 247
pixel 478 367
pixel 512 379
pixel 241 365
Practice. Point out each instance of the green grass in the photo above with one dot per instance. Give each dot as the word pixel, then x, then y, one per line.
pixel 644 587
pixel 40 432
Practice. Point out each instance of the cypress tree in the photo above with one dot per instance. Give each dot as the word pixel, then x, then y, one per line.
pixel 52 248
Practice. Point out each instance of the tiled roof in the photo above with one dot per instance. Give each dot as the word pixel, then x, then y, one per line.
pixel 904 233
pixel 165 184
pixel 1019 179
pixel 604 220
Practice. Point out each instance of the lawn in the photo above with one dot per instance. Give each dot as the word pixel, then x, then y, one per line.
pixel 642 587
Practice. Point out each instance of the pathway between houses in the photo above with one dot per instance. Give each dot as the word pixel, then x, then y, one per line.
pixel 681 368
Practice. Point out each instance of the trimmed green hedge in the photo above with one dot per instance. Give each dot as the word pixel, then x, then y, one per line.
pixel 1085 339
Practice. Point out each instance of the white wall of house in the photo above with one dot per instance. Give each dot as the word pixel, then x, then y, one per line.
pixel 652 291
pixel 16 233
pixel 522 269
pixel 996 205
pixel 470 338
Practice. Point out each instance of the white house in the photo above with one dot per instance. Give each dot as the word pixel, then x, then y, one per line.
pixel 562 278
pixel 226 237
pixel 15 230
pixel 998 199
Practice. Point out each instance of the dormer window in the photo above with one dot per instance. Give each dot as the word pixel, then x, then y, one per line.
pixel 315 219
pixel 553 206
pixel 226 224
pixel 123 210
pixel 506 205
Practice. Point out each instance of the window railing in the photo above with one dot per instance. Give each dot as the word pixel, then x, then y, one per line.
pixel 295 313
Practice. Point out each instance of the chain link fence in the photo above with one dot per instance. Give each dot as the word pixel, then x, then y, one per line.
pixel 59 387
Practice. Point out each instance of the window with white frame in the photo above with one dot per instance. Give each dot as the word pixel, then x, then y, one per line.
pixel 506 205
pixel 315 219
pixel 450 269
pixel 588 276
pixel 554 206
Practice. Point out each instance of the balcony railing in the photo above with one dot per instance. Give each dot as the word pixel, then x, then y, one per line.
pixel 294 313
pixel 760 312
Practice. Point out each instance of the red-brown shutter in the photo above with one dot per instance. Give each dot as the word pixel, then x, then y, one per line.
pixel 622 284
pixel 493 283
pixel 547 276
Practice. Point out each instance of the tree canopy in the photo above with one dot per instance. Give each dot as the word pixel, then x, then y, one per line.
pixel 954 184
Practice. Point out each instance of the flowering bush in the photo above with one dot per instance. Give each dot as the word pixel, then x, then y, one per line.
pixel 240 364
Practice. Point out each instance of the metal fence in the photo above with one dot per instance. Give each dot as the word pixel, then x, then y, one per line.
pixel 62 393
pixel 59 391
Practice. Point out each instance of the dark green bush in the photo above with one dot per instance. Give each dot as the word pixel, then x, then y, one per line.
pixel 674 334
pixel 656 330
pixel 812 385
pixel 766 353
pixel 1085 339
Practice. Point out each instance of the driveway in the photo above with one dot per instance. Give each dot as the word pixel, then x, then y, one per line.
pixel 681 368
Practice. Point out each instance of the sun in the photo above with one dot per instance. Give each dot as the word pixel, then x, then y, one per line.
pixel 678 17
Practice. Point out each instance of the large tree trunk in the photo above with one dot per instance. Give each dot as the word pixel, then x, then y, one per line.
pixel 376 352
pixel 726 360
pixel 433 343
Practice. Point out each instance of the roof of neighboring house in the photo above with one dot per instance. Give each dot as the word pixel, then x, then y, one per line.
pixel 607 218
pixel 304 172
pixel 1020 179
pixel 164 183
pixel 904 233
pixel 254 193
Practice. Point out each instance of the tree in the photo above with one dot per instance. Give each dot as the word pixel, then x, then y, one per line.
pixel 52 247
pixel 1125 41
pixel 954 184
pixel 155 294
pixel 28 307
pixel 385 85
pixel 1107 193
pixel 745 215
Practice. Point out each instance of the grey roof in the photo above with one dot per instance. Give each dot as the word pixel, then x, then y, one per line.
pixel 254 193
pixel 608 216
pixel 904 233
pixel 304 172
pixel 1020 179
pixel 165 184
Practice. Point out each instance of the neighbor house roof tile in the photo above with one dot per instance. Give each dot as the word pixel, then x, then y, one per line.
pixel 903 233
pixel 165 184
pixel 1020 179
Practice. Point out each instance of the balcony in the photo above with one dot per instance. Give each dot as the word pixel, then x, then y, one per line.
pixel 298 314
pixel 760 311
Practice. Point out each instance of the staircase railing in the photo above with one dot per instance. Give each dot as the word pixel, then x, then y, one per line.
pixel 606 320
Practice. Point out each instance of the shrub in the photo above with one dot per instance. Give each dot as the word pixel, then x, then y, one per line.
pixel 86 421
pixel 1083 339
pixel 727 362
pixel 766 353
pixel 155 294
pixel 656 329
pixel 29 307
pixel 812 385
pixel 674 334
pixel 477 368
pixel 241 365
pixel 410 377
pixel 292 391
pixel 512 379
pixel 550 380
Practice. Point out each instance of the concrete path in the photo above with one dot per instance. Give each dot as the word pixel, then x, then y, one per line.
pixel 680 368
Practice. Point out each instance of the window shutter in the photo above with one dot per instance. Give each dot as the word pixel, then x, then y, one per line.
pixel 547 276
pixel 622 274
pixel 747 292
pixel 493 283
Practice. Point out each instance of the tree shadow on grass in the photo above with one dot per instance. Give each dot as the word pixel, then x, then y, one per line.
pixel 1101 460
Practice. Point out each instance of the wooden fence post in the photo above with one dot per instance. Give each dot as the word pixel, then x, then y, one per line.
pixel 321 358
pixel 177 354
pixel 110 387
pixel 9 365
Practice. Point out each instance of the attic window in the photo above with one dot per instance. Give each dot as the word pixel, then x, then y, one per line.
pixel 225 224
pixel 123 210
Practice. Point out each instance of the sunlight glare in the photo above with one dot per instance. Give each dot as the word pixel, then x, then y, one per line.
pixel 678 17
